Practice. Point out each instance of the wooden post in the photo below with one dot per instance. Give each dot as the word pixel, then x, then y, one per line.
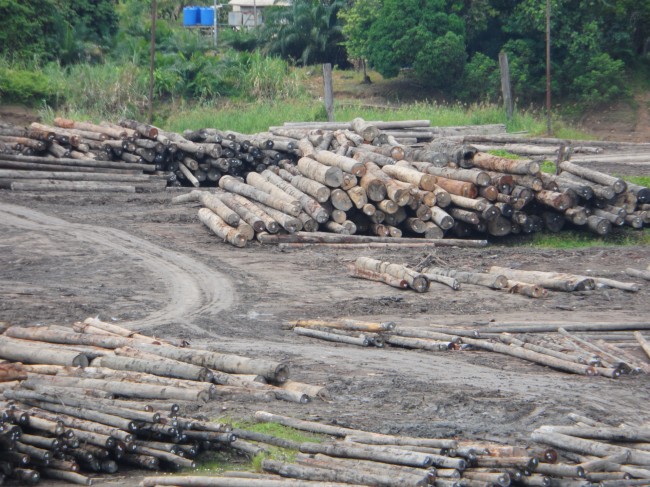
pixel 548 67
pixel 505 84
pixel 152 57
pixel 329 91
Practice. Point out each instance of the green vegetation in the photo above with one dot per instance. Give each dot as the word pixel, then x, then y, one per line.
pixel 548 167
pixel 575 239
pixel 640 180
pixel 216 462
pixel 504 153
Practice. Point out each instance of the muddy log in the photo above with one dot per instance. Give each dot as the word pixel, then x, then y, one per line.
pixel 221 228
pixel 645 345
pixel 500 164
pixel 379 277
pixel 319 474
pixel 328 238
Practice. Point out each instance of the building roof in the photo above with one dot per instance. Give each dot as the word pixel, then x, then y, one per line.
pixel 258 3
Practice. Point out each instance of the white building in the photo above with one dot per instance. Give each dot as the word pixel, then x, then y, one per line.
pixel 248 13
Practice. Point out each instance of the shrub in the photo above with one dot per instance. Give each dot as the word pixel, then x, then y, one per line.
pixel 603 79
pixel 481 80
pixel 28 87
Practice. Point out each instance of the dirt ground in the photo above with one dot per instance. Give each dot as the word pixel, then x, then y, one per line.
pixel 147 264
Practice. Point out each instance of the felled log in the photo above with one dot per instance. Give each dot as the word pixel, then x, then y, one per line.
pixel 550 280
pixel 415 280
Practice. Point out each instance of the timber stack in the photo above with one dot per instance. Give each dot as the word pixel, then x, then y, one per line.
pixel 608 350
pixel 90 398
pixel 379 179
pixel 358 457
pixel 357 186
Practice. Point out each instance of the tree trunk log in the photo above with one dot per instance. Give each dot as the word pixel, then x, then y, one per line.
pixel 221 228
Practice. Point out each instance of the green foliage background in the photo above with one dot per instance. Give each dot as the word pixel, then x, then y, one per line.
pixel 55 51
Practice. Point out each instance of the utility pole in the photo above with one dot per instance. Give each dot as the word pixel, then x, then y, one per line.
pixel 255 12
pixel 548 67
pixel 152 56
pixel 215 24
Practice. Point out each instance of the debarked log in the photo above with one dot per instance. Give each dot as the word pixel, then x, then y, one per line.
pixel 549 280
pixel 532 356
pixel 31 352
pixel 224 231
pixel 415 280
pixel 234 364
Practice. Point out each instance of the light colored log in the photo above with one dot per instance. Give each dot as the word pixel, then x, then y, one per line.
pixel 346 164
pixel 415 280
pixel 309 204
pixel 231 184
pixel 361 340
pixel 638 273
pixel 425 182
pixel 550 280
pixel 327 175
pixel 32 352
pixel 501 164
pixel 221 228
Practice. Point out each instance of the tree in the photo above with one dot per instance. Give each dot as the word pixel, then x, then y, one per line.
pixel 357 21
pixel 51 29
pixel 307 32
pixel 411 33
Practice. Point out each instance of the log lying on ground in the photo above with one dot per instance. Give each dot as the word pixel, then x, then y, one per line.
pixel 549 280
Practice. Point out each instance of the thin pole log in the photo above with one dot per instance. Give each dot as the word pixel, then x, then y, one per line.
pixel 361 340
pixel 54 185
pixel 532 356
pixel 645 345
pixel 324 237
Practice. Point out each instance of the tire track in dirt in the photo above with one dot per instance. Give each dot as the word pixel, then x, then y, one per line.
pixel 192 288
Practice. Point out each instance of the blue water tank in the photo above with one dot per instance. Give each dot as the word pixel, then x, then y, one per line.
pixel 191 16
pixel 207 16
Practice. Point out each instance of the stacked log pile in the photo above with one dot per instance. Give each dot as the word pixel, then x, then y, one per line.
pixel 88 399
pixel 343 184
pixel 370 178
pixel 560 347
pixel 78 156
pixel 358 457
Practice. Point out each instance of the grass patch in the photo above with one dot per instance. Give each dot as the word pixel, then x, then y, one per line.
pixel 221 461
pixel 576 239
pixel 504 153
pixel 640 180
pixel 547 167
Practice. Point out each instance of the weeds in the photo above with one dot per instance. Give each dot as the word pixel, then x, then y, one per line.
pixel 576 239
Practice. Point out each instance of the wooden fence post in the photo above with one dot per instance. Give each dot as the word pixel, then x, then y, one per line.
pixel 329 91
pixel 505 84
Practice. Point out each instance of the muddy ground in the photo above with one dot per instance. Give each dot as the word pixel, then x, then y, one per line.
pixel 145 263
